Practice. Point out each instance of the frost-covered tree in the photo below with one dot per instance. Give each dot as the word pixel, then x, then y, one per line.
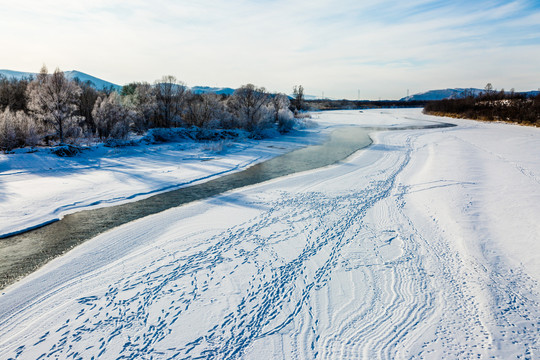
pixel 248 104
pixel 111 117
pixel 141 99
pixel 53 100
pixel 278 102
pixel 17 129
pixel 170 97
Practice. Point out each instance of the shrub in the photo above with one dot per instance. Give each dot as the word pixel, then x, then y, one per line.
pixel 286 121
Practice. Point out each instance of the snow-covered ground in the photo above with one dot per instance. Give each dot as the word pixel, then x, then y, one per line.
pixel 37 188
pixel 424 245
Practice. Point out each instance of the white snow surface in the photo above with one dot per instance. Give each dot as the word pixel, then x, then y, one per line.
pixel 37 188
pixel 424 245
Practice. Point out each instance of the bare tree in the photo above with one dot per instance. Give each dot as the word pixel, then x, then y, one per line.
pixel 53 99
pixel 248 103
pixel 13 93
pixel 298 92
pixel 87 99
pixel 170 97
pixel 205 110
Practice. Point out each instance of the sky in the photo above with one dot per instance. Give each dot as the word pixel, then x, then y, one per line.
pixel 339 48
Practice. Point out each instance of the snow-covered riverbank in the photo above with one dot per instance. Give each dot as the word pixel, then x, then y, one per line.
pixel 37 188
pixel 40 187
pixel 421 246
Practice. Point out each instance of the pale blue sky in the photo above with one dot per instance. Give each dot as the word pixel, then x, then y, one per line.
pixel 382 48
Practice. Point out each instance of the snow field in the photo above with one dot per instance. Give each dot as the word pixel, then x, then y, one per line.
pixel 417 247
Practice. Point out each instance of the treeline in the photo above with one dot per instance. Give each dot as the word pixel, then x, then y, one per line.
pixel 51 109
pixel 327 104
pixel 490 106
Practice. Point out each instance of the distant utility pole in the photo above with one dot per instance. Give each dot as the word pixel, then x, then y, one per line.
pixel 323 95
pixel 358 94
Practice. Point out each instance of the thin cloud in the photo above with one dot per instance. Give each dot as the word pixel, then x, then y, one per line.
pixel 382 47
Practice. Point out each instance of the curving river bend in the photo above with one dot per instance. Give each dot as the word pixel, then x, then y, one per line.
pixel 24 253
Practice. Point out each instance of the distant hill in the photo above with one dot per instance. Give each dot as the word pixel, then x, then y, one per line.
pixel 208 89
pixel 442 94
pixel 16 74
pixel 97 83
pixel 453 94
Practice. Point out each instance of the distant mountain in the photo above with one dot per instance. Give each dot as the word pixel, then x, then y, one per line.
pixel 215 90
pixel 10 74
pixel 442 94
pixel 97 83
pixel 531 93
pixel 454 94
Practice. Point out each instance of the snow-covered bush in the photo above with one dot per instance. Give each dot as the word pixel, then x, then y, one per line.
pixel 285 120
pixel 115 143
pixel 301 124
pixel 17 129
pixel 66 150
pixel 161 135
pixel 217 147
pixel 302 115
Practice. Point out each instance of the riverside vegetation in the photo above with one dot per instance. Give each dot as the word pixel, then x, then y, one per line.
pixel 51 110
pixel 491 105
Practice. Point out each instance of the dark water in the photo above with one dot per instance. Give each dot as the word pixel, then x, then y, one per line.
pixel 23 253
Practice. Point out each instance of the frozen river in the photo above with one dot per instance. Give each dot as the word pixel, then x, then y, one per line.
pixel 408 249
